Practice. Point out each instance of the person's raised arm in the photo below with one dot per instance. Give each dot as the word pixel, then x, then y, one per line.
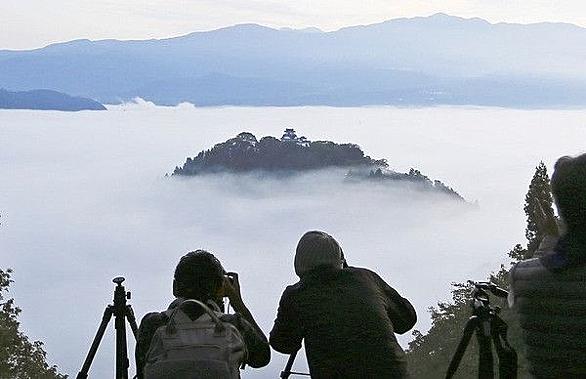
pixel 287 332
pixel 232 291
pixel 259 352
pixel 400 311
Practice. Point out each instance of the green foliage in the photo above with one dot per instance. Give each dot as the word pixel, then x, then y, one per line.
pixel 430 354
pixel 538 207
pixel 19 357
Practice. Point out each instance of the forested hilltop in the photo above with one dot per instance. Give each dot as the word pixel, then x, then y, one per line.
pixel 292 154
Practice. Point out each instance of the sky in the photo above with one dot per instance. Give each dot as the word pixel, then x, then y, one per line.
pixel 26 24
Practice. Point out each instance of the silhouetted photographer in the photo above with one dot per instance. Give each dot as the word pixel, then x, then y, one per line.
pixel 347 316
pixel 193 338
pixel 549 292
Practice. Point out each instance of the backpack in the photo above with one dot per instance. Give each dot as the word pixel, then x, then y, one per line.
pixel 205 348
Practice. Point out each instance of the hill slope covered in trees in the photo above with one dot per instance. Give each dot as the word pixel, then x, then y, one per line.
pixel 292 155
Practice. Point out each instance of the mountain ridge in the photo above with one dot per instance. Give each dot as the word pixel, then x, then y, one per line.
pixel 302 29
pixel 436 60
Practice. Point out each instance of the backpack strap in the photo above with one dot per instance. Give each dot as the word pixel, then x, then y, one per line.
pixel 171 324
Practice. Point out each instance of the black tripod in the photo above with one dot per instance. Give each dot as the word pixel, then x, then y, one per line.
pixel 286 373
pixel 489 328
pixel 121 311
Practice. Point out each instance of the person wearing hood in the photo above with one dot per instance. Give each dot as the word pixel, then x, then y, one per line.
pixel 347 316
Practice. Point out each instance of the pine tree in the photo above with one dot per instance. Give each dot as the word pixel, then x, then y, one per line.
pixel 19 357
pixel 539 210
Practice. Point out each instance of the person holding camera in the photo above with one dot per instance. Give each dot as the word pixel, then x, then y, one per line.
pixel 347 316
pixel 549 292
pixel 194 338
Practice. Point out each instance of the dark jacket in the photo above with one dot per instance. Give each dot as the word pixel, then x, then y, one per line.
pixel 549 295
pixel 259 353
pixel 348 319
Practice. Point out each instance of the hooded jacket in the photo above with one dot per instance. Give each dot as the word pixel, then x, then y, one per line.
pixel 348 319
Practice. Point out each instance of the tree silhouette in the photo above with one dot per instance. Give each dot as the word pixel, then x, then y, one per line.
pixel 19 357
pixel 538 207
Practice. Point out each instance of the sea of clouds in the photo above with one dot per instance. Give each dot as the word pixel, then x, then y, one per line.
pixel 83 198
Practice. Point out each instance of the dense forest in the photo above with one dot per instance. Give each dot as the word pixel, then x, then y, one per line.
pixel 292 154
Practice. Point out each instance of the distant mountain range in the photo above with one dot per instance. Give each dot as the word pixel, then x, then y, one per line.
pixel 292 155
pixel 411 61
pixel 46 100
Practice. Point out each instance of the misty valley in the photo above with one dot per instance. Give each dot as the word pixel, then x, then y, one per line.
pixel 85 198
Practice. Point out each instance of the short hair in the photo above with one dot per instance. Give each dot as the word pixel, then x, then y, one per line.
pixel 198 275
pixel 568 186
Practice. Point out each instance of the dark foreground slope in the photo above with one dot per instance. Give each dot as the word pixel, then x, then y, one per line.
pixel 46 100
pixel 292 155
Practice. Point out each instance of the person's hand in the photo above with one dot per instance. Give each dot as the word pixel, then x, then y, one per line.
pixel 232 288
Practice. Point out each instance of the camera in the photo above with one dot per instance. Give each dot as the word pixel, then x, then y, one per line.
pixel 231 276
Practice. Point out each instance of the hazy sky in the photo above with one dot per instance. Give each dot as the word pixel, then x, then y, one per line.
pixel 34 23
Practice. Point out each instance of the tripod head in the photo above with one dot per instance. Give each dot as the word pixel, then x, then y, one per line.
pixel 481 300
pixel 488 286
pixel 120 295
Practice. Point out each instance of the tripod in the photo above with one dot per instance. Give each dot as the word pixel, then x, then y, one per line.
pixel 121 311
pixel 490 329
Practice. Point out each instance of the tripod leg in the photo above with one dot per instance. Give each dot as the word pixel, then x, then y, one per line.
pixel 485 357
pixel 122 362
pixel 471 324
pixel 287 371
pixel 506 354
pixel 131 320
pixel 96 343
